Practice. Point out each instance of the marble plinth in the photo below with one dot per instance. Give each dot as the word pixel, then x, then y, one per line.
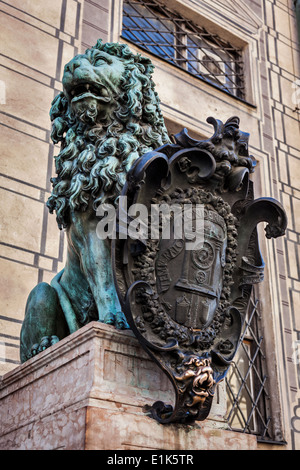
pixel 88 392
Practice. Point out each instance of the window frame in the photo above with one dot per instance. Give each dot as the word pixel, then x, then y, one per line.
pixel 261 382
pixel 252 382
pixel 195 29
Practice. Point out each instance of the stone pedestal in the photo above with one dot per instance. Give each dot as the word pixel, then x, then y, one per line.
pixel 88 392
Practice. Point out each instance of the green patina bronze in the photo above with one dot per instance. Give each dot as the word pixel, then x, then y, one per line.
pixel 107 116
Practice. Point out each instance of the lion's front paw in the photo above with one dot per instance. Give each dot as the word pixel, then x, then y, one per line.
pixel 45 343
pixel 121 322
pixel 118 320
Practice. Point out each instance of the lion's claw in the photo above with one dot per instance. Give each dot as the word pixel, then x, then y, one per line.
pixel 121 322
pixel 46 342
pixel 118 320
pixel 109 319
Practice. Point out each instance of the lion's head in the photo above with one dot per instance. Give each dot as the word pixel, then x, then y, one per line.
pixel 107 116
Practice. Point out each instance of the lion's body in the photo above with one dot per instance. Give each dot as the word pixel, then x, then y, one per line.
pixel 106 118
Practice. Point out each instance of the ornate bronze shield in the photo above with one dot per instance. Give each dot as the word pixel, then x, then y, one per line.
pixel 185 278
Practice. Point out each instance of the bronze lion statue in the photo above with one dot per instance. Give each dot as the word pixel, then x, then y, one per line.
pixel 107 116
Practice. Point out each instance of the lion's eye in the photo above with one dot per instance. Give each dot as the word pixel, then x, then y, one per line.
pixel 100 61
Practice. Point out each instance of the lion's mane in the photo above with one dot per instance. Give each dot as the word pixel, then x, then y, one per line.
pixel 95 158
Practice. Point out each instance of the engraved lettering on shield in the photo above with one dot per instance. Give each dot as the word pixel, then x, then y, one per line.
pixel 162 271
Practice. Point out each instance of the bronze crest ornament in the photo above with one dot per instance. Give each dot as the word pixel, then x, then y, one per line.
pixel 185 292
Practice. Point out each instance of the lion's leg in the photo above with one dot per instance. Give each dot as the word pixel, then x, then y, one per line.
pixel 43 324
pixel 108 304
pixel 98 269
pixel 103 288
pixel 95 262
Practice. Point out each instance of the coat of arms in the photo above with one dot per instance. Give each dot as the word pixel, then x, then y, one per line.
pixel 185 271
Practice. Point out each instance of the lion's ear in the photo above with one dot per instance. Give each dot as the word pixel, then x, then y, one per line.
pixel 59 106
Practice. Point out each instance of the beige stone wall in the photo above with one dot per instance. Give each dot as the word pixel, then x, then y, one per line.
pixel 38 40
pixel 281 111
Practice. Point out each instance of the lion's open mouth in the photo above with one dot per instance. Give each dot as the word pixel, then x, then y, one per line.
pixel 86 90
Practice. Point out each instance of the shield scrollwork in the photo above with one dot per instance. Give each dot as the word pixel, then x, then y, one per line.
pixel 184 283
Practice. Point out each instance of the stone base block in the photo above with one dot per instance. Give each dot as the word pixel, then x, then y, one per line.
pixel 88 392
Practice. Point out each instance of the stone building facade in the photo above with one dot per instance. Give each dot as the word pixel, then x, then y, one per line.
pixel 38 38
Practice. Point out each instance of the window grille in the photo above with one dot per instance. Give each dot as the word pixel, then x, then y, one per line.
pixel 162 32
pixel 248 408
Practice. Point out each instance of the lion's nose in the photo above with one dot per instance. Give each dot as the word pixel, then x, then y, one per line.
pixel 71 66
